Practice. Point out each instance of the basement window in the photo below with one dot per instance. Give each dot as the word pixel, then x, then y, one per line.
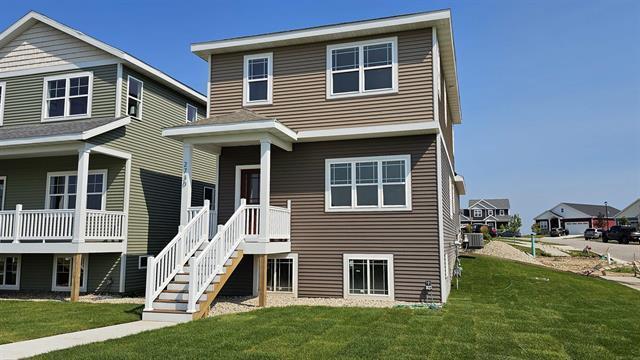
pixel 368 275
pixel 280 275
pixel 9 272
pixel 62 272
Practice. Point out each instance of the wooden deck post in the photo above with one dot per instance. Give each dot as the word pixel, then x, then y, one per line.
pixel 262 280
pixel 75 277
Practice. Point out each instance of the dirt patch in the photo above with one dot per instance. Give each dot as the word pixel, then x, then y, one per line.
pixel 506 251
pixel 578 265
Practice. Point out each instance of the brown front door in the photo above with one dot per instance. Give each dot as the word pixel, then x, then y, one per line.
pixel 250 186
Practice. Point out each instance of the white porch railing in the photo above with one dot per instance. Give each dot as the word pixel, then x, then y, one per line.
pixel 252 221
pixel 162 268
pixel 49 224
pixel 213 219
pixel 210 262
pixel 280 222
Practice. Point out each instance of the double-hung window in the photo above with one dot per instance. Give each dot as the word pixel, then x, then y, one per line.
pixel 489 212
pixel 362 68
pixel 62 268
pixel 380 183
pixel 3 90
pixel 501 212
pixel 192 113
pixel 134 98
pixel 9 272
pixel 477 213
pixel 368 275
pixel 258 79
pixel 67 96
pixel 61 190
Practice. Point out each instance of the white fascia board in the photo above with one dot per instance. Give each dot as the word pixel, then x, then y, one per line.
pixel 33 16
pixel 460 185
pixel 270 40
pixel 106 128
pixel 414 128
pixel 105 150
pixel 201 130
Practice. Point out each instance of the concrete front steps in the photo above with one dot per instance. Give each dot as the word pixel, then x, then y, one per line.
pixel 171 304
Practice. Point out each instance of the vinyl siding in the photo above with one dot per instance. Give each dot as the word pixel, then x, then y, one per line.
pixel 24 95
pixel 154 205
pixel 451 224
pixel 321 238
pixel 446 123
pixel 27 179
pixel 36 272
pixel 299 87
pixel 42 45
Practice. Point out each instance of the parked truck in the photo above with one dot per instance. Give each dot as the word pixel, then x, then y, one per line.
pixel 623 234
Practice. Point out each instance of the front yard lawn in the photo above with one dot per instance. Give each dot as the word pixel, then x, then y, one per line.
pixel 24 320
pixel 502 310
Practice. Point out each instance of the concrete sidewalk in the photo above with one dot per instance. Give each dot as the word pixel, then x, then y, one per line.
pixel 632 282
pixel 34 347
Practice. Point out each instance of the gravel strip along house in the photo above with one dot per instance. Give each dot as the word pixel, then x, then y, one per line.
pixel 88 185
pixel 336 169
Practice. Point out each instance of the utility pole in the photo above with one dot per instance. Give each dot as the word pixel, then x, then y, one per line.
pixel 606 214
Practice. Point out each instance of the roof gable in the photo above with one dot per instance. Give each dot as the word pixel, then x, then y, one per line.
pixel 42 45
pixel 37 25
pixel 633 210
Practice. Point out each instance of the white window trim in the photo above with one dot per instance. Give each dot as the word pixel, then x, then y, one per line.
pixel 245 79
pixel 66 195
pixel 239 169
pixel 186 113
pixel 360 45
pixel 140 267
pixel 83 288
pixel 380 206
pixel 477 213
pixel 345 275
pixel 67 107
pixel 256 268
pixel 213 202
pixel 17 285
pixel 4 192
pixel 3 86
pixel 141 99
pixel 490 212
pixel 501 212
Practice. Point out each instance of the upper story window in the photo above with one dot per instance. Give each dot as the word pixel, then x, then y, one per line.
pixel 258 79
pixel 381 183
pixel 67 96
pixel 134 99
pixel 3 87
pixel 367 67
pixel 501 212
pixel 477 213
pixel 192 113
pixel 490 212
pixel 61 190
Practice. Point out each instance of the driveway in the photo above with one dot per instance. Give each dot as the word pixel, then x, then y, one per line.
pixel 618 251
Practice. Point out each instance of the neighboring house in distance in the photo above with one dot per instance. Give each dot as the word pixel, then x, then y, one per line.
pixel 631 213
pixel 353 125
pixel 84 170
pixel 575 218
pixel 493 212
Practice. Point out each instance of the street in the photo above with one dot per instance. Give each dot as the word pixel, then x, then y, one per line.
pixel 618 251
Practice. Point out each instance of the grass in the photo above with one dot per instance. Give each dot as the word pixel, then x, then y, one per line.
pixel 24 320
pixel 622 270
pixel 503 310
pixel 578 253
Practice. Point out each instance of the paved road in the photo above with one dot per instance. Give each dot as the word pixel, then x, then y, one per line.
pixel 618 251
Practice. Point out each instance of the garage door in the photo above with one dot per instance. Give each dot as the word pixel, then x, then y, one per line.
pixel 576 227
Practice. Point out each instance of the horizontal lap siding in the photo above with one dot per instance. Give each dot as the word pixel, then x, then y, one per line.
pixel 451 224
pixel 321 238
pixel 299 87
pixel 24 95
pixel 154 205
pixel 27 179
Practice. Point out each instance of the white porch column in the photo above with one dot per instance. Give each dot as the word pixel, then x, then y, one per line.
pixel 187 155
pixel 265 188
pixel 80 220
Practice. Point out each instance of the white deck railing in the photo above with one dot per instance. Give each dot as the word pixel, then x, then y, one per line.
pixel 213 219
pixel 280 222
pixel 49 224
pixel 162 268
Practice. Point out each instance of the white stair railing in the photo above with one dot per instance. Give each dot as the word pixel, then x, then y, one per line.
pixel 162 268
pixel 210 262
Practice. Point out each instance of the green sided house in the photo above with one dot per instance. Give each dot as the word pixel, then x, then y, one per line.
pixel 85 173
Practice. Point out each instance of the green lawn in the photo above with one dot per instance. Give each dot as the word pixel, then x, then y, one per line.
pixel 24 320
pixel 503 310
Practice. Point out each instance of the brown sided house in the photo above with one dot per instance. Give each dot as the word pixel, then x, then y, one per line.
pixel 336 173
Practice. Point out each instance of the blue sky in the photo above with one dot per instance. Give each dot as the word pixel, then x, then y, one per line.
pixel 550 90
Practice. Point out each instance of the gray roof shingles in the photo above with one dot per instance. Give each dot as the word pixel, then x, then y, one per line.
pixel 58 128
pixel 594 210
pixel 238 116
pixel 498 203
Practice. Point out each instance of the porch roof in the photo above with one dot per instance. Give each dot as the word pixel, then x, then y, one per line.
pixel 59 131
